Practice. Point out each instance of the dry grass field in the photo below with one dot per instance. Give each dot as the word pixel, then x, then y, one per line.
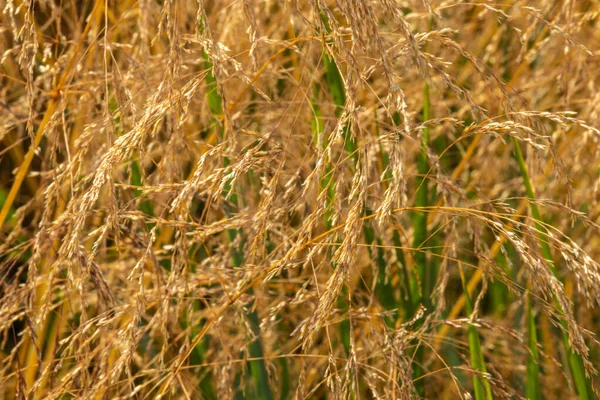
pixel 299 199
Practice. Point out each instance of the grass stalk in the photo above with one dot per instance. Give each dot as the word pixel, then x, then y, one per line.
pixel 257 365
pixel 582 382
pixel 337 90
pixel 420 235
pixel 422 201
pixel 481 386
pixel 327 184
pixel 384 288
pixel 532 388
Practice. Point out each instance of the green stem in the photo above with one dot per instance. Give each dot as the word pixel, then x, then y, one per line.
pixel 481 386
pixel 337 89
pixel 533 358
pixel 420 235
pixel 582 382
pixel 258 368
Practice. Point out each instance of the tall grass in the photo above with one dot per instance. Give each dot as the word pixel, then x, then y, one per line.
pixel 576 363
pixel 295 199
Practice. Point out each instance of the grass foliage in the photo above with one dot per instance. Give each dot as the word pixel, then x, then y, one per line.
pixel 299 199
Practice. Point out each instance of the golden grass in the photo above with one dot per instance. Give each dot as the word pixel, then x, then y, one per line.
pixel 259 199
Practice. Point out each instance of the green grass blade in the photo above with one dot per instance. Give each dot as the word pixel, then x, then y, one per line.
pixel 383 287
pixel 411 285
pixel 197 357
pixel 422 200
pixel 327 184
pixel 11 211
pixel 258 368
pixel 582 382
pixel 384 290
pixel 420 229
pixel 215 103
pixel 335 83
pixel 533 359
pixel 481 386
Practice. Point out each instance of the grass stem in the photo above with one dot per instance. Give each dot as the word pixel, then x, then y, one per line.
pixel 582 382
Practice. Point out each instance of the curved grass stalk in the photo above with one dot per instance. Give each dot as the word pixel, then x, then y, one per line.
pixel 533 385
pixel 458 307
pixel 532 366
pixel 476 278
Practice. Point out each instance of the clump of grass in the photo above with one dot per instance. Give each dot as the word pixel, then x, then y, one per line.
pixel 299 199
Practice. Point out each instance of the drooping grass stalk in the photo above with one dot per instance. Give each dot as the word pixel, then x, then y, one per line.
pixel 136 171
pixel 533 381
pixel 532 385
pixel 466 157
pixel 532 377
pixel 57 324
pixel 383 288
pixel 198 354
pixel 582 382
pixel 258 368
pixel 481 386
pixel 337 89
